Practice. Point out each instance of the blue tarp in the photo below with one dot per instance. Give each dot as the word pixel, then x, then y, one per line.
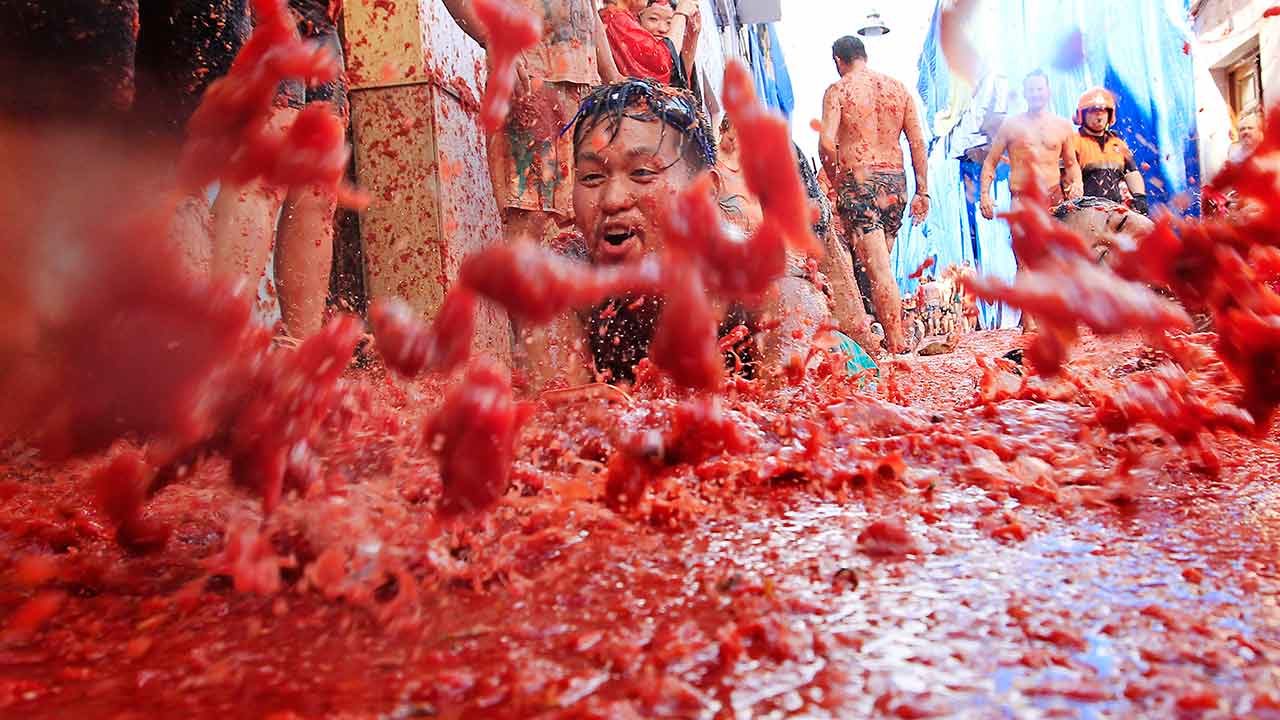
pixel 1134 49
pixel 773 81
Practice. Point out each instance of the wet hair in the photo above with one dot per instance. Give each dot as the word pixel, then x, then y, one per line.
pixel 848 49
pixel 1036 73
pixel 648 101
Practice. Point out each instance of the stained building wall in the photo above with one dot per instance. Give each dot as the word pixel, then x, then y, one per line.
pixel 1227 32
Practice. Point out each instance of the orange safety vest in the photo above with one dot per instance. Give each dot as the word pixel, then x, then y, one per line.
pixel 1104 161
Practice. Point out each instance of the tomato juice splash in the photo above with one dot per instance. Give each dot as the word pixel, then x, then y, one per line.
pixel 920 270
pixel 535 285
pixel 510 29
pixel 1202 264
pixel 753 525
pixel 667 551
pixel 769 170
pixel 122 342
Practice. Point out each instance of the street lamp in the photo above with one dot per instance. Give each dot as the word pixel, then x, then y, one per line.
pixel 874 26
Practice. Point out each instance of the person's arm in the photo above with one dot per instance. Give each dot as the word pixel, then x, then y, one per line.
pixel 827 137
pixel 464 13
pixel 1074 186
pixel 1137 186
pixel 690 47
pixel 801 311
pixel 604 54
pixel 919 160
pixel 685 10
pixel 986 202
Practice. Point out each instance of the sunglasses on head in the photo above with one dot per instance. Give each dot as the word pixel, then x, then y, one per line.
pixel 672 108
pixel 659 102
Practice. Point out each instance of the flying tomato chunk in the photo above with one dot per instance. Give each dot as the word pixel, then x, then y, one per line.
pixel 510 29
pixel 474 434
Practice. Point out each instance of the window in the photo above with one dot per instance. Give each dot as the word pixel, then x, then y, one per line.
pixel 1245 80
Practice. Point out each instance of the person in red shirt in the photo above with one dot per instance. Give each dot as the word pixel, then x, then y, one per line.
pixel 637 52
pixel 658 18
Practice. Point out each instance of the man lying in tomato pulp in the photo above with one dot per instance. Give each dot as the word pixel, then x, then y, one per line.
pixel 636 145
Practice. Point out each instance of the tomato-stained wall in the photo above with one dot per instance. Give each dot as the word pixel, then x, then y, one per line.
pixel 419 152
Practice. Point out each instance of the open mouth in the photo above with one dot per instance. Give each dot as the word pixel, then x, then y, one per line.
pixel 618 236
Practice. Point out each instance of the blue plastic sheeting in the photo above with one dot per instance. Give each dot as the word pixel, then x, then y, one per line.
pixel 1134 49
pixel 773 81
pixel 939 237
pixel 786 96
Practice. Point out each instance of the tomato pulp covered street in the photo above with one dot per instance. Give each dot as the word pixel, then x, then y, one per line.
pixel 197 522
pixel 854 556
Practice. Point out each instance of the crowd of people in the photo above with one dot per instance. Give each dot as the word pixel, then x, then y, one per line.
pixel 642 52
pixel 604 129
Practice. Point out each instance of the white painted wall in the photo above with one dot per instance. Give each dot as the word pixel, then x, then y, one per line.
pixel 1225 31
pixel 714 47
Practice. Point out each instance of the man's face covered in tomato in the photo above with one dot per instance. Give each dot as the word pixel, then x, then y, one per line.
pixel 636 145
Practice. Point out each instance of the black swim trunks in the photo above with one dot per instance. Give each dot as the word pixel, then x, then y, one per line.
pixel 876 200
pixel 315 23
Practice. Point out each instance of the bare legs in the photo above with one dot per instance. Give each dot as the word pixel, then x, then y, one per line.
pixel 873 250
pixel 244 225
pixel 846 300
pixel 190 232
pixel 548 351
pixel 304 256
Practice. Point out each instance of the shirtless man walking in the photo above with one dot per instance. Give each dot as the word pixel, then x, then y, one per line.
pixel 1042 157
pixel 864 115
pixel 1041 151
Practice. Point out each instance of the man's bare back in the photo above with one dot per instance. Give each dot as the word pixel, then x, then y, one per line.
pixel 874 111
pixel 864 116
